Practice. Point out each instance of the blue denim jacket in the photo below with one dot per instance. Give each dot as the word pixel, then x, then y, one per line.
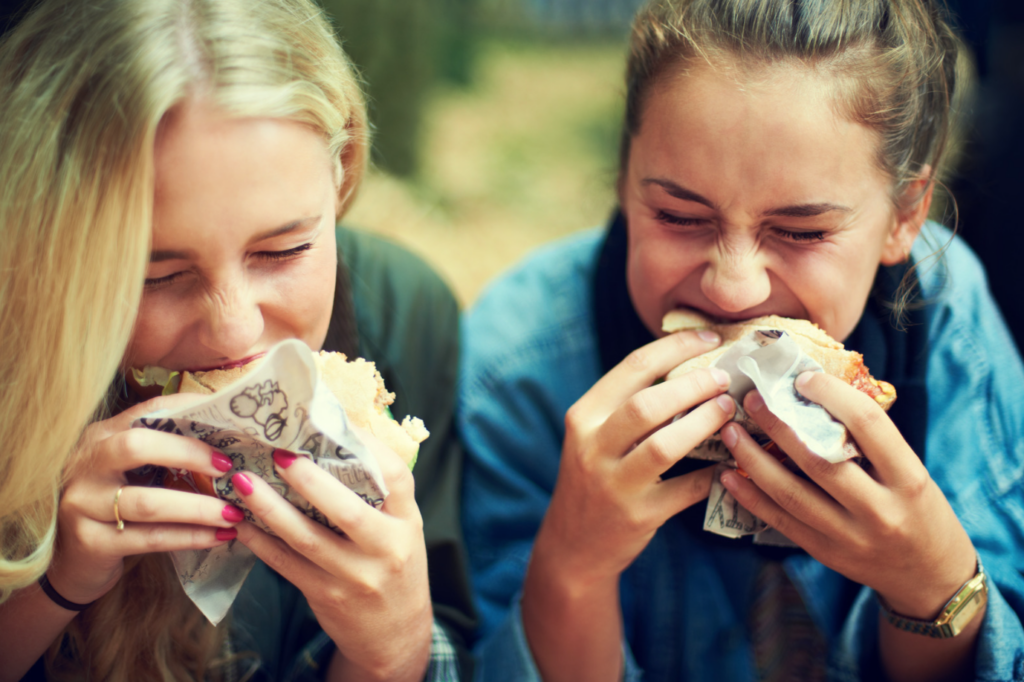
pixel 530 351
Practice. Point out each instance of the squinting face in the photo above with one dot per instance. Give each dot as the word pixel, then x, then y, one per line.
pixel 243 251
pixel 749 198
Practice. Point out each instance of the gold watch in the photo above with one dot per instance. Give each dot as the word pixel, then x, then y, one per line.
pixel 967 603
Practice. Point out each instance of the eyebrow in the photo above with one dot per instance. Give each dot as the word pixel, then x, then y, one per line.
pixel 167 254
pixel 795 211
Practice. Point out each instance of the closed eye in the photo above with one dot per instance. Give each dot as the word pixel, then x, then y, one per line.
pixel 283 255
pixel 800 236
pixel 157 282
pixel 671 219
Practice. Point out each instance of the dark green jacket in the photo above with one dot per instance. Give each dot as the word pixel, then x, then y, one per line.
pixel 390 307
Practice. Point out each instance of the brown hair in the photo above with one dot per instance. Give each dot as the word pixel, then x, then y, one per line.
pixel 898 64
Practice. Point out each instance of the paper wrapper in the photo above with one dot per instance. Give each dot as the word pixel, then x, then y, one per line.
pixel 770 361
pixel 280 405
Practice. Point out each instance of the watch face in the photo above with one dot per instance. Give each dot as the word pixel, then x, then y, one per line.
pixel 967 611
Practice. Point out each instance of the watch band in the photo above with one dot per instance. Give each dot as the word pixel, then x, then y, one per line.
pixel 955 615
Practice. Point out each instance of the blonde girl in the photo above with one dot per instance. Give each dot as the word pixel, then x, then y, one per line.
pixel 146 145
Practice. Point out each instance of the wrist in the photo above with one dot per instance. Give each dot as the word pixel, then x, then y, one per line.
pixel 926 604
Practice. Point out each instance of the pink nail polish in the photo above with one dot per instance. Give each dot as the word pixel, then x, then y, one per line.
pixel 242 483
pixel 283 458
pixel 221 462
pixel 226 534
pixel 232 514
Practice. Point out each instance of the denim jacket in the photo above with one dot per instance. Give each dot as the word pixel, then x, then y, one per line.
pixel 530 350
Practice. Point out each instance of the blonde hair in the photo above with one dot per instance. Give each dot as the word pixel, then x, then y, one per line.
pixel 83 89
pixel 898 66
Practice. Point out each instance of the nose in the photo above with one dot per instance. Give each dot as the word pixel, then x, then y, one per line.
pixel 233 320
pixel 736 279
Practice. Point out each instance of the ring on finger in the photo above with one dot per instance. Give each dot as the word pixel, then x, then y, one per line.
pixel 117 512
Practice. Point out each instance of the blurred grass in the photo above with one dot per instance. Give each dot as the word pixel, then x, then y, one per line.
pixel 525 154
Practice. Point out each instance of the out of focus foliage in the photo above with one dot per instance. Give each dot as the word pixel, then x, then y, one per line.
pixel 402 48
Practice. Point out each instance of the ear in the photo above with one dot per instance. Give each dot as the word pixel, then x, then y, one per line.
pixel 914 205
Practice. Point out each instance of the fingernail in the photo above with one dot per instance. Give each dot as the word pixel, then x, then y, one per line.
pixel 232 514
pixel 226 533
pixel 725 402
pixel 283 458
pixel 243 483
pixel 729 435
pixel 720 376
pixel 222 462
pixel 754 402
pixel 708 335
pixel 728 480
pixel 804 377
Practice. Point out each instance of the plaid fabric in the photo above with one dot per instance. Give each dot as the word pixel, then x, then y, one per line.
pixel 787 645
pixel 444 661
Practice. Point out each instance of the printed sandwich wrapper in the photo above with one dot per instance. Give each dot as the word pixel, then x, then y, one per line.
pixel 770 361
pixel 281 405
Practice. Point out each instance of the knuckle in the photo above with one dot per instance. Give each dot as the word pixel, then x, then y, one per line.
pixel 275 556
pixel 153 539
pixel 659 450
pixel 141 507
pixel 639 359
pixel 574 419
pixel 306 544
pixel 638 409
pixel 789 498
pixel 865 416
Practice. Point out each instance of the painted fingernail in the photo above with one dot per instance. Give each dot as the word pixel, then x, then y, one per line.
pixel 226 533
pixel 283 458
pixel 729 435
pixel 725 402
pixel 754 401
pixel 721 377
pixel 232 514
pixel 243 483
pixel 804 377
pixel 708 335
pixel 222 462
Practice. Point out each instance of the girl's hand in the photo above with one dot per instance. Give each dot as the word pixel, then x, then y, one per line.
pixel 368 587
pixel 887 525
pixel 610 499
pixel 90 550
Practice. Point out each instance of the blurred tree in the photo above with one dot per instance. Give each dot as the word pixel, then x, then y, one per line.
pixel 402 47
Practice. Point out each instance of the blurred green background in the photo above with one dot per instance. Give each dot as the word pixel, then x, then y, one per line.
pixel 496 123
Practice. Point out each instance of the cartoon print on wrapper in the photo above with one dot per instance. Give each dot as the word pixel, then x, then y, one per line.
pixel 266 404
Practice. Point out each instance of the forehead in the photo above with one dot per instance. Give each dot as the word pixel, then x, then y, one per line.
pixel 770 128
pixel 216 170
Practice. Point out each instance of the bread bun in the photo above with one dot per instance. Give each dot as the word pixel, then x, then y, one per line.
pixel 356 384
pixel 830 354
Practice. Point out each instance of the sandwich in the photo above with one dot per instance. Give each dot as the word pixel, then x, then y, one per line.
pixel 356 384
pixel 830 354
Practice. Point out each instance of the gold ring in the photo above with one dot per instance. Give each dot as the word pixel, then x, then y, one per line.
pixel 117 513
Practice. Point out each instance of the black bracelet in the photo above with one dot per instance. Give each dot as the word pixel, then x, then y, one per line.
pixel 60 601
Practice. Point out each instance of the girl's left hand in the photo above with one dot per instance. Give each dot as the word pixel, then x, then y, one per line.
pixel 886 525
pixel 369 587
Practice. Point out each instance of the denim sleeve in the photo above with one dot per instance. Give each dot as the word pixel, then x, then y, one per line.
pixel 506 656
pixel 975 453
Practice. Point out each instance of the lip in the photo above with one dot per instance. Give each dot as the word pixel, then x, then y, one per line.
pixel 231 364
pixel 719 317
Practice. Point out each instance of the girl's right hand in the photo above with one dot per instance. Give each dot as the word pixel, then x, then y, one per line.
pixel 610 499
pixel 90 553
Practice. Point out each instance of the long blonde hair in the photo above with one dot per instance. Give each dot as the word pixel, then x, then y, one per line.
pixel 83 89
